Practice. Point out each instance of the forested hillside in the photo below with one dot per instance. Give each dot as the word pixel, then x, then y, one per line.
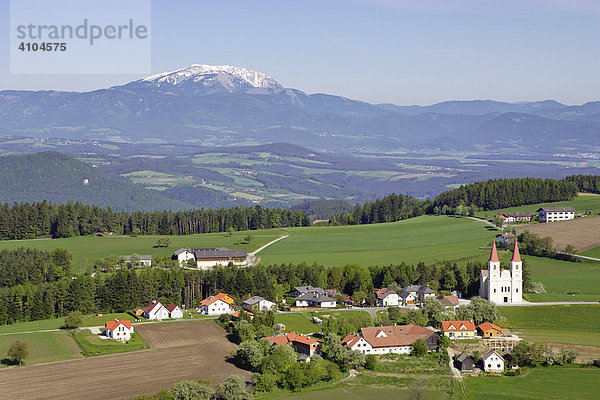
pixel 60 178
pixel 585 183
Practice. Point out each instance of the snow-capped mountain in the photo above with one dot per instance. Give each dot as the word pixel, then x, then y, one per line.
pixel 212 78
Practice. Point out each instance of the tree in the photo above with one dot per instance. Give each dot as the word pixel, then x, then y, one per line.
pixel 479 310
pixel 163 242
pixel 230 231
pixel 444 342
pixel 233 388
pixel 416 317
pixel 433 309
pixel 371 362
pixel 73 320
pixel 190 390
pixel 419 348
pixel 250 355
pixel 18 351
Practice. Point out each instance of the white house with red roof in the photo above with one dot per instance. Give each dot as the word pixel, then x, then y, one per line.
pixel 499 285
pixel 303 344
pixel 155 310
pixel 387 297
pixel 390 339
pixel 220 303
pixel 174 311
pixel 118 329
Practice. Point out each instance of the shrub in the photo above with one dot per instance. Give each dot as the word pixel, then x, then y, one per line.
pixel 371 362
pixel 419 348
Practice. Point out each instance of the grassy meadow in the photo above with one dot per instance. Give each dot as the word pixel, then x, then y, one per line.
pixel 426 238
pixel 86 249
pixel 43 347
pixel 92 345
pixel 581 204
pixel 302 322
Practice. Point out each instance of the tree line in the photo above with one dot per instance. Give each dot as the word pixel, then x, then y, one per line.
pixel 29 221
pixel 585 183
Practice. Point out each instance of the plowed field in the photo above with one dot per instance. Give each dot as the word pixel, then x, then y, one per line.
pixel 178 351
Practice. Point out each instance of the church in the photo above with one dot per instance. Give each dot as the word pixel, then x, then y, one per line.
pixel 502 286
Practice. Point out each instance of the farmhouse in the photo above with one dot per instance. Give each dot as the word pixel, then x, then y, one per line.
pixel 464 363
pixel 303 344
pixel 386 297
pixel 488 330
pixel 144 261
pixel 118 329
pixel 425 292
pixel 459 329
pixel 174 311
pixel 315 300
pixel 220 303
pixel 258 303
pixel 553 214
pixel 500 285
pixel 208 258
pixel 493 362
pixel 390 339
pixel 523 216
pixel 155 310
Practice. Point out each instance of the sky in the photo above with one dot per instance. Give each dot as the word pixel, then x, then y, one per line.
pixel 379 51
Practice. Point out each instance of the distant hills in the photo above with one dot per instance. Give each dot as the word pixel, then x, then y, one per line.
pixel 226 105
pixel 60 178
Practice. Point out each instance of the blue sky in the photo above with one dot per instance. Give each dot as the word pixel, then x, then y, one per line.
pixel 402 52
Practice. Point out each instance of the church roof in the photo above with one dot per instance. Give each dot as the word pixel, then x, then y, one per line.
pixel 494 253
pixel 516 255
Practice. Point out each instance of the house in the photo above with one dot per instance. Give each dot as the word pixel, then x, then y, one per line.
pixel 303 344
pixel 499 285
pixel 138 311
pixel 348 301
pixel 208 258
pixel 464 363
pixel 174 311
pixel 459 329
pixel 506 218
pixel 448 301
pixel 300 290
pixel 386 297
pixel 425 292
pixel 155 310
pixel 553 214
pixel 488 330
pixel 236 314
pixel 390 339
pixel 411 289
pixel 493 362
pixel 506 239
pixel 220 303
pixel 523 216
pixel 144 261
pixel 258 303
pixel 408 298
pixel 315 300
pixel 118 329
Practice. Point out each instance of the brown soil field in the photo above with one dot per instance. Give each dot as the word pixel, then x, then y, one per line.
pixel 583 233
pixel 179 351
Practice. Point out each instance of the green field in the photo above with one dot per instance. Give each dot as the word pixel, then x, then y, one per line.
pixel 86 249
pixel 302 322
pixel 573 382
pixel 568 324
pixel 595 252
pixel 43 347
pixel 92 345
pixel 427 238
pixel 580 203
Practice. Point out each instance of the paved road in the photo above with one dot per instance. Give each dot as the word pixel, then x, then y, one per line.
pixel 547 303
pixel 268 244
pixel 485 221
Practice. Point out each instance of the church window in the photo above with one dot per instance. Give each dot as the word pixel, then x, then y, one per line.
pixel 494 290
pixel 517 290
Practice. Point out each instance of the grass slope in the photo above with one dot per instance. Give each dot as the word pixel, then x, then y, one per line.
pixel 579 203
pixel 427 238
pixel 302 322
pixel 43 347
pixel 92 345
pixel 86 249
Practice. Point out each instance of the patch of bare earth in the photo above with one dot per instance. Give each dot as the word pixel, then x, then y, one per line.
pixel 583 233
pixel 178 351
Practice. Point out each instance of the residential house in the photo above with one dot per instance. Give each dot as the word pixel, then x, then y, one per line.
pixel 303 344
pixel 138 311
pixel 315 300
pixel 425 292
pixel 219 304
pixel 258 303
pixel 488 330
pixel 448 301
pixel 390 339
pixel 155 310
pixel 300 290
pixel 554 214
pixel 408 298
pixel 118 329
pixel 459 329
pixel 493 362
pixel 208 258
pixel 386 297
pixel 506 218
pixel 348 301
pixel 236 314
pixel 174 311
pixel 464 363
pixel 523 216
pixel 506 239
pixel 144 261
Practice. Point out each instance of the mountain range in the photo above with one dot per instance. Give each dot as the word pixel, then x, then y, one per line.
pixel 227 105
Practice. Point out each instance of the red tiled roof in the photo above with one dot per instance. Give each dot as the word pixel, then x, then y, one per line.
pixel 237 314
pixel 291 338
pixel 219 296
pixel 172 307
pixel 486 326
pixel 448 301
pixel 458 326
pixel 516 255
pixel 383 293
pixel 151 306
pixel 393 336
pixel 494 253
pixel 112 325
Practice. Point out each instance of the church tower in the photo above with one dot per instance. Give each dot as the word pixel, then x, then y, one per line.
pixel 516 273
pixel 493 281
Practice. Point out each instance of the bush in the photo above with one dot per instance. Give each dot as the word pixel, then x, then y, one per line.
pixel 535 287
pixel 371 362
pixel 190 390
pixel 73 320
pixel 419 348
pixel 233 388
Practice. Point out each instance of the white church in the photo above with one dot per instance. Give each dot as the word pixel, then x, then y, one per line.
pixel 502 286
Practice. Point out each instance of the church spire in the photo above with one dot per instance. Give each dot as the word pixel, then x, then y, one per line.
pixel 494 254
pixel 516 255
